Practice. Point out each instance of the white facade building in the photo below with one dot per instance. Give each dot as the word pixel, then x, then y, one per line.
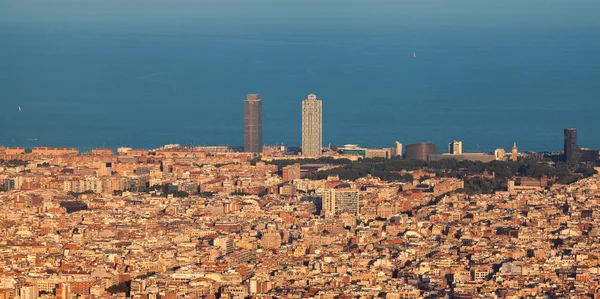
pixel 312 126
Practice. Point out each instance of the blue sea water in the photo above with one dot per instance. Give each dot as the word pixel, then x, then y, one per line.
pixel 93 73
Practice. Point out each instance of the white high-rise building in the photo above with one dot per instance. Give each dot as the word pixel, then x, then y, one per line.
pixel 398 149
pixel 312 126
pixel 455 147
pixel 29 292
pixel 340 201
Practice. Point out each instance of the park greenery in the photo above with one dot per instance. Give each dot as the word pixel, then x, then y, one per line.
pixel 472 172
pixel 322 160
pixel 147 275
pixel 14 163
pixel 479 177
pixel 77 194
pixel 123 287
pixel 182 194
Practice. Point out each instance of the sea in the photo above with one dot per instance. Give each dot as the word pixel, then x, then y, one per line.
pixel 143 73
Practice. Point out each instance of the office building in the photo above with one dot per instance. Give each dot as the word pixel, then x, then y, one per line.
pixel 63 290
pixel 385 153
pixel 354 149
pixel 398 149
pixel 287 190
pixel 571 154
pixel 270 239
pixel 340 201
pixel 253 124
pixel 500 154
pixel 420 151
pixel 291 172
pixel 105 169
pixel 226 244
pixel 259 285
pixel 29 292
pixel 588 155
pixel 455 147
pixel 312 126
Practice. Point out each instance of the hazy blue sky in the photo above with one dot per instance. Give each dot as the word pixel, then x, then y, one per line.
pixel 540 12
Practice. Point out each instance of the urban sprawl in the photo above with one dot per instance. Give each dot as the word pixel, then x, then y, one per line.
pixel 324 222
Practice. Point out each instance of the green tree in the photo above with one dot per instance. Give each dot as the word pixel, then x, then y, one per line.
pixel 207 194
pixel 120 288
pixel 156 188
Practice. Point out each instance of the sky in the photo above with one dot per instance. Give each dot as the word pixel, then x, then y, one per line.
pixel 540 12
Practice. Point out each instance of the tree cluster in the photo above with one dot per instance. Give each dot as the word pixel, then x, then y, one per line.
pixel 322 160
pixel 469 171
pixel 15 163
pixel 119 288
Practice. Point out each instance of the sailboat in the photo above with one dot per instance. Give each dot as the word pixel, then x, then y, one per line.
pixel 19 108
pixel 415 55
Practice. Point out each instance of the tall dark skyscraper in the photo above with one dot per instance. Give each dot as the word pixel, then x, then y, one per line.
pixel 253 124
pixel 571 147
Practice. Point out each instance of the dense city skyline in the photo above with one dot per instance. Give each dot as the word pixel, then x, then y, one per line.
pixel 299 149
pixel 216 222
pixel 511 82
pixel 253 130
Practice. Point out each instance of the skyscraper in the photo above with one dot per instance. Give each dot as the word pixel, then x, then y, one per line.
pixel 312 126
pixel 571 148
pixel 253 124
pixel 455 147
